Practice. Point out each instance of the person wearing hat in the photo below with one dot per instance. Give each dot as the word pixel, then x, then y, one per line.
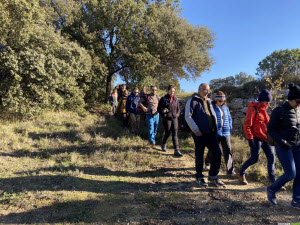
pixel 284 128
pixel 255 129
pixel 224 125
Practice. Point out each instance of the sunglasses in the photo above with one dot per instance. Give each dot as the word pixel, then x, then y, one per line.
pixel 297 102
pixel 220 100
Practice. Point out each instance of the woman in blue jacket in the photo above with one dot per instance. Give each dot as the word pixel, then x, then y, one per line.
pixel 224 125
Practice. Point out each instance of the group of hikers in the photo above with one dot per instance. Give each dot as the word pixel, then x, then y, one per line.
pixel 210 123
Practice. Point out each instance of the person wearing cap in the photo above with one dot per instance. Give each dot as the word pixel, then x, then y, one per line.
pixel 284 128
pixel 224 125
pixel 255 129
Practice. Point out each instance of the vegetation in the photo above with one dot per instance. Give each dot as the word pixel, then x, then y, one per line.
pixel 63 167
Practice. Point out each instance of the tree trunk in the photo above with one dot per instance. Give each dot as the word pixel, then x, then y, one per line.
pixel 108 87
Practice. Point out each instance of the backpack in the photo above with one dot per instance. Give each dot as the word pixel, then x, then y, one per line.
pixel 182 124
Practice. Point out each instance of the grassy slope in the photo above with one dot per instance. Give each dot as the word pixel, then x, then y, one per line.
pixel 66 168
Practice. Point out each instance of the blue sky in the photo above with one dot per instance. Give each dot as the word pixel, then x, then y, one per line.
pixel 246 32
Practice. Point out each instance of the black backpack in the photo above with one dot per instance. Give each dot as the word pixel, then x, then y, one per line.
pixel 182 124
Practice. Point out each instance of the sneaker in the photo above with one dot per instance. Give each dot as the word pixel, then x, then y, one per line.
pixel 216 181
pixel 207 167
pixel 152 144
pixel 164 148
pixel 271 196
pixel 295 205
pixel 242 179
pixel 201 182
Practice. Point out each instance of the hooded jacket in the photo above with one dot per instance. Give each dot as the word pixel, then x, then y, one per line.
pixel 196 117
pixel 256 122
pixel 132 103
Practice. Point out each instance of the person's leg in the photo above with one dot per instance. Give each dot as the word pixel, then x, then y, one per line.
pixel 124 116
pixel 212 144
pixel 208 158
pixel 150 123
pixel 269 151
pixel 286 158
pixel 156 121
pixel 296 185
pixel 167 130
pixel 255 151
pixel 132 122
pixel 199 150
pixel 174 129
pixel 138 122
pixel 226 147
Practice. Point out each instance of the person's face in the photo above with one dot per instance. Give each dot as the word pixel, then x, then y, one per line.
pixel 203 91
pixel 135 92
pixel 264 104
pixel 220 102
pixel 153 90
pixel 295 103
pixel 171 92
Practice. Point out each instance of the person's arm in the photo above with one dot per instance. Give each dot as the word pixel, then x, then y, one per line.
pixel 119 105
pixel 128 103
pixel 178 109
pixel 229 118
pixel 141 103
pixel 160 106
pixel 189 109
pixel 250 116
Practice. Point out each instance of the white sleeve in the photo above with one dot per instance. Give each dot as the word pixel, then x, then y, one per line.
pixel 188 116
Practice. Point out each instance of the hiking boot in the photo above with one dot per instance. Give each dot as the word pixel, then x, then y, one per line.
pixel 177 153
pixel 271 196
pixel 152 144
pixel 201 182
pixel 242 179
pixel 164 148
pixel 295 205
pixel 207 167
pixel 216 181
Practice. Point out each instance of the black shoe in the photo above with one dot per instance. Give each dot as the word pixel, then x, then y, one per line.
pixel 216 181
pixel 201 182
pixel 178 153
pixel 164 148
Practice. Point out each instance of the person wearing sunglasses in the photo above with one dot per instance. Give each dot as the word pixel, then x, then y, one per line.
pixel 255 129
pixel 224 126
pixel 284 128
pixel 131 110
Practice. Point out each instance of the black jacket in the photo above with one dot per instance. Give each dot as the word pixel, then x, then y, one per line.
pixel 284 125
pixel 173 109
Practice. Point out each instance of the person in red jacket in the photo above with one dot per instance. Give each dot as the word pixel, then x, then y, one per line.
pixel 255 129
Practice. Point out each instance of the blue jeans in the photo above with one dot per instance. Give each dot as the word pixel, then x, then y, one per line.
pixel 290 161
pixel 152 122
pixel 211 142
pixel 255 151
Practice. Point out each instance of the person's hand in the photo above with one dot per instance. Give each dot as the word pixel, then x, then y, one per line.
pixel 251 143
pixel 145 109
pixel 199 133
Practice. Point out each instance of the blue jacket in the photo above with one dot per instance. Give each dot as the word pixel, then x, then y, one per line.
pixel 196 117
pixel 223 131
pixel 132 103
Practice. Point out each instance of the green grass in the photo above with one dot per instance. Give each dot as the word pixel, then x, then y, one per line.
pixel 62 167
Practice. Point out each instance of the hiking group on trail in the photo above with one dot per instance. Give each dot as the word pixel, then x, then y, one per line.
pixel 210 123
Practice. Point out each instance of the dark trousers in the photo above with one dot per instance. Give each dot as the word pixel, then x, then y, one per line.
pixel 226 147
pixel 269 151
pixel 211 142
pixel 171 126
pixel 125 119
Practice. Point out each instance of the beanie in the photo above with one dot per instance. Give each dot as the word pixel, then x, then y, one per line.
pixel 265 96
pixel 294 92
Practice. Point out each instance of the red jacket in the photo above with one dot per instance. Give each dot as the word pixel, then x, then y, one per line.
pixel 256 122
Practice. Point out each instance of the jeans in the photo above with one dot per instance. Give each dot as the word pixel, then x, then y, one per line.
pixel 226 147
pixel 211 142
pixel 171 125
pixel 255 151
pixel 152 122
pixel 290 161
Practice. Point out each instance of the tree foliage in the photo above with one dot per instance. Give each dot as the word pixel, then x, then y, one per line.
pixel 232 81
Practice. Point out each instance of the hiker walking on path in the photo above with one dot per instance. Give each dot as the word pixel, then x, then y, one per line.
pixel 224 125
pixel 255 129
pixel 201 118
pixel 131 109
pixel 168 108
pixel 284 128
pixel 122 108
pixel 149 104
pixel 114 100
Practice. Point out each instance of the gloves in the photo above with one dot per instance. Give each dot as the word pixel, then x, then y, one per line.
pixel 286 145
pixel 251 143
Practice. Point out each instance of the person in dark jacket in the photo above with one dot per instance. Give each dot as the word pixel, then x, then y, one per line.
pixel 284 128
pixel 131 109
pixel 201 118
pixel 255 129
pixel 122 108
pixel 224 126
pixel 168 108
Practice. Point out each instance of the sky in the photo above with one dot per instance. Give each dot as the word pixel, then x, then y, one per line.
pixel 246 32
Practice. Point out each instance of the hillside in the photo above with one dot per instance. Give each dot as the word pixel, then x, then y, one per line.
pixel 68 168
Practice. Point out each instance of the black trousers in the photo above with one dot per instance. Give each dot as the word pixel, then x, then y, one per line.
pixel 171 126
pixel 226 147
